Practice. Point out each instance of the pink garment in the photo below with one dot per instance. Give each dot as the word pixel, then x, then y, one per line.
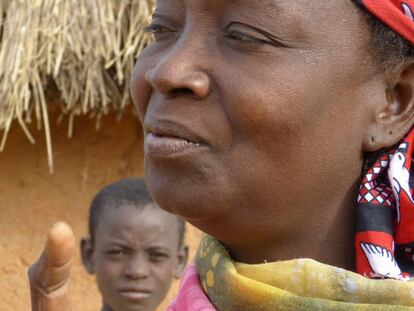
pixel 191 296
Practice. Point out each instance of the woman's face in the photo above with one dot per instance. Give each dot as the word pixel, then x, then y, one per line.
pixel 255 111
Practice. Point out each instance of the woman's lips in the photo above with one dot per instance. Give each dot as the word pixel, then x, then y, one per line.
pixel 162 146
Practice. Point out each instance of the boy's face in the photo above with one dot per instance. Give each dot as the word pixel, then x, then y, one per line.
pixel 135 257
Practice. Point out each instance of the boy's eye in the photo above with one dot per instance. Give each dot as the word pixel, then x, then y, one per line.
pixel 158 256
pixel 116 252
pixel 159 31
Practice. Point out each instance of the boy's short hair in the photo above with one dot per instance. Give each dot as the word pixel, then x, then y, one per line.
pixel 126 192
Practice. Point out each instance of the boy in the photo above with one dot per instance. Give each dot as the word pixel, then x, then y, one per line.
pixel 134 248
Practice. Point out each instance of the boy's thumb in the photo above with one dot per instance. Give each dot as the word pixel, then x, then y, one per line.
pixel 49 276
pixel 60 245
pixel 52 269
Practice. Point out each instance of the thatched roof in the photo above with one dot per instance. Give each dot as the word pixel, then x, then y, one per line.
pixel 81 51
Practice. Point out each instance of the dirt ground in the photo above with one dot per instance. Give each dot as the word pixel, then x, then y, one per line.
pixel 31 199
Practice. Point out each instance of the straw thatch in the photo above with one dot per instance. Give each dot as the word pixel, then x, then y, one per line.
pixel 81 51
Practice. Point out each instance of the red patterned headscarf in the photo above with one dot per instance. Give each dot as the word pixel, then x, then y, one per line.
pixel 385 215
pixel 396 14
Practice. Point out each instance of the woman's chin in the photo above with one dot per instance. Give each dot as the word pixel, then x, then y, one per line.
pixel 184 206
pixel 184 196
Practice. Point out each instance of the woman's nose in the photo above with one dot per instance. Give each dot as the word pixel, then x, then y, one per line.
pixel 180 73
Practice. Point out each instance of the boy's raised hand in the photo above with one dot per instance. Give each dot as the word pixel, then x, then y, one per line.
pixel 49 276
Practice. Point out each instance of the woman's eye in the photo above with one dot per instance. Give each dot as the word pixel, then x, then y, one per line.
pixel 252 37
pixel 244 38
pixel 158 31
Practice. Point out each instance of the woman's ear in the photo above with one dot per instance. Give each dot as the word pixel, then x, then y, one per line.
pixel 396 117
pixel 87 250
pixel 182 261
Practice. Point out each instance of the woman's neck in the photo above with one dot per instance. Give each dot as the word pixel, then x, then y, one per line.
pixel 327 236
pixel 332 244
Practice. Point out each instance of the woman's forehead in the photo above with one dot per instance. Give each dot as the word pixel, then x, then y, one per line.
pixel 298 20
pixel 258 4
pixel 317 12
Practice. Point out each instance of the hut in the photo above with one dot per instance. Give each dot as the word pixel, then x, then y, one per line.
pixel 67 125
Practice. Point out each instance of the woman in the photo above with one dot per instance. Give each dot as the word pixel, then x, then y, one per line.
pixel 258 117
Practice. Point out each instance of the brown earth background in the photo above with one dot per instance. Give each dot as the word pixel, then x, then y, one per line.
pixel 31 198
